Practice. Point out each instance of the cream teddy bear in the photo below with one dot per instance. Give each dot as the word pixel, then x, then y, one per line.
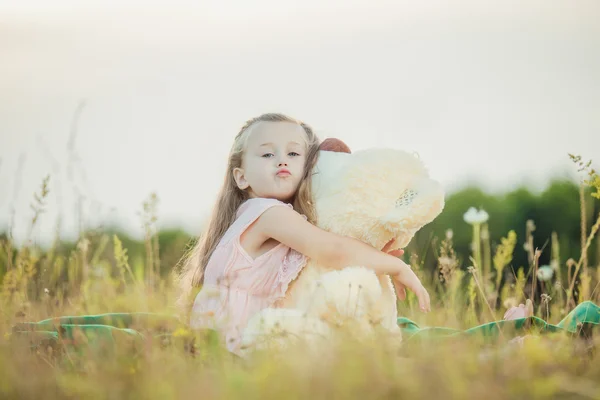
pixel 373 195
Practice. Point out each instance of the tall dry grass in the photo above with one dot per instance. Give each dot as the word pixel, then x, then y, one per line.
pixel 96 276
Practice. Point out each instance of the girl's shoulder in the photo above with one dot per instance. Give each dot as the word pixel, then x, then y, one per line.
pixel 248 212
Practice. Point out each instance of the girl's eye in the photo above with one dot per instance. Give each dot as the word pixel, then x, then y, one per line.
pixel 293 153
pixel 267 155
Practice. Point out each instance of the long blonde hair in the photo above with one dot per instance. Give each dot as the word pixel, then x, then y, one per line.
pixel 229 200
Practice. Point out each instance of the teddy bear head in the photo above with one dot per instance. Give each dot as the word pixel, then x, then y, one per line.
pixel 374 195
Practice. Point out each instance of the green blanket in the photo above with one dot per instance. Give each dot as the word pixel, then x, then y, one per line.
pixel 107 332
pixel 580 320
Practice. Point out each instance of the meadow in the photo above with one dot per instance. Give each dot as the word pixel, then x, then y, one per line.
pixel 101 273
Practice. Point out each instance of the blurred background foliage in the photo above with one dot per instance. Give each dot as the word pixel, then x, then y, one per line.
pixel 557 210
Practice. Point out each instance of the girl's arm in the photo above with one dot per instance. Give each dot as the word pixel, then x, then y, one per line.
pixel 290 228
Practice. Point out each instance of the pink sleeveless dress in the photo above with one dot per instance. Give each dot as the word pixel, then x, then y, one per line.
pixel 236 286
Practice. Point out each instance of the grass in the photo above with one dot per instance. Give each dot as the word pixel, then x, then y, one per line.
pixel 97 276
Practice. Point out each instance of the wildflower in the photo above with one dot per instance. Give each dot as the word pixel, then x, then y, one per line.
pixel 449 234
pixel 46 290
pixel 447 266
pixel 504 255
pixel 557 285
pixel 475 217
pixel 545 273
pixel 546 298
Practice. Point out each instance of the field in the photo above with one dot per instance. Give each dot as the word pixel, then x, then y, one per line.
pixel 95 275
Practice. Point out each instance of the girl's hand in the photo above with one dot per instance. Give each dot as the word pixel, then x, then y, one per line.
pixel 407 279
pixel 389 248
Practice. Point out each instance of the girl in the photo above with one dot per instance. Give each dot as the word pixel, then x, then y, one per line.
pixel 262 229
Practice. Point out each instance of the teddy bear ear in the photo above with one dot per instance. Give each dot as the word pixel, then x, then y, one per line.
pixel 335 145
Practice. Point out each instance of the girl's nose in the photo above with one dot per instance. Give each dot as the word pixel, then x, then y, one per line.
pixel 282 164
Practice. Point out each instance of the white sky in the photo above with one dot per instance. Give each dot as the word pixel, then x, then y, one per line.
pixel 491 92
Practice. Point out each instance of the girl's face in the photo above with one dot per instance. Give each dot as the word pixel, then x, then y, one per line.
pixel 273 160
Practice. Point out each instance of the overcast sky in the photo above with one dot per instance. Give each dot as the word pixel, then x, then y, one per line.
pixel 494 93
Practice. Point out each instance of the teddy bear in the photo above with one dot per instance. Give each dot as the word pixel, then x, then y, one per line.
pixel 374 195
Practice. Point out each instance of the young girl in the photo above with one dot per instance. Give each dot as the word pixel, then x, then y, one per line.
pixel 262 229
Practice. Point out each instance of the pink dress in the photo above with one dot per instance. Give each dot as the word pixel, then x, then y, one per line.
pixel 236 286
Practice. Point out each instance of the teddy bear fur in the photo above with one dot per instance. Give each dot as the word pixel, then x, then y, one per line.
pixel 372 195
